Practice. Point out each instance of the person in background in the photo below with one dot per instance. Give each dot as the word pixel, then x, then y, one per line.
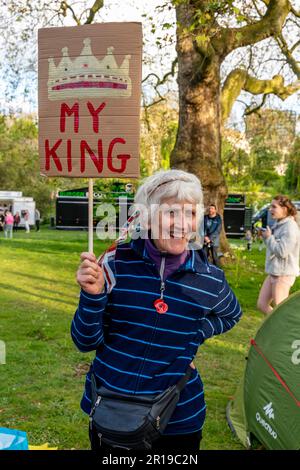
pixel 282 257
pixel 26 221
pixel 8 224
pixel 212 230
pixel 17 220
pixel 162 300
pixel 248 238
pixel 258 234
pixel 37 220
pixel 1 220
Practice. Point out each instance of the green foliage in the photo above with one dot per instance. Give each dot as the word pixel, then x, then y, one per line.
pixel 19 161
pixel 266 177
pixel 273 129
pixel 292 175
pixel 159 128
pixel 236 162
pixel 271 134
pixel 264 160
pixel 253 173
pixel 144 167
pixel 23 130
pixel 167 144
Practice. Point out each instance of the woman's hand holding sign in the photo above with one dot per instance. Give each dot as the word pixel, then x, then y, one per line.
pixel 89 275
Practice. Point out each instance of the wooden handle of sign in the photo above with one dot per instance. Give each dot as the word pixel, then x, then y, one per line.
pixel 91 216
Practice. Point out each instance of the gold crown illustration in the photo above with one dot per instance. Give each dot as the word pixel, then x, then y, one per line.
pixel 87 76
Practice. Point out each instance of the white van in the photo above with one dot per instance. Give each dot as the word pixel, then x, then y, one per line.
pixel 15 202
pixel 21 205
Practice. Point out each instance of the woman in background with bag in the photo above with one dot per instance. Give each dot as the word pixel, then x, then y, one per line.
pixel 282 257
pixel 145 312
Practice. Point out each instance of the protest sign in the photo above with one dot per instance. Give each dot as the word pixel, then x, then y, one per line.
pixel 89 100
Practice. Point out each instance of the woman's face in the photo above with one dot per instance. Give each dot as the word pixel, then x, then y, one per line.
pixel 277 211
pixel 175 224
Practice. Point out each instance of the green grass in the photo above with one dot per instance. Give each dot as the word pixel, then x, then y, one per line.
pixel 42 381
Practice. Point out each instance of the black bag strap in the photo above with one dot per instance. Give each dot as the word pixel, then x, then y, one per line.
pixel 183 381
pixel 180 385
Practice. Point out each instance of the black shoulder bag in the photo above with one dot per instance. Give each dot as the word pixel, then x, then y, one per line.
pixel 131 421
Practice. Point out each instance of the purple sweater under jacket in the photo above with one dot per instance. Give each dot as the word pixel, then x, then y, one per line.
pixel 172 261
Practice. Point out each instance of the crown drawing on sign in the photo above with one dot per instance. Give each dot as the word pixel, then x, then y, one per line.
pixel 87 76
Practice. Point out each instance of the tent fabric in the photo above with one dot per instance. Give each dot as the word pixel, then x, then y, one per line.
pixel 236 417
pixel 13 439
pixel 267 402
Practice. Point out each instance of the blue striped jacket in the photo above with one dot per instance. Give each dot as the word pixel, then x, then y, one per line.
pixel 139 351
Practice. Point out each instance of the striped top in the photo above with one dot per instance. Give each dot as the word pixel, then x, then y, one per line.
pixel 139 351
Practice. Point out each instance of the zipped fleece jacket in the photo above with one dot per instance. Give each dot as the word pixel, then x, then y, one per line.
pixel 139 351
pixel 283 248
pixel 212 228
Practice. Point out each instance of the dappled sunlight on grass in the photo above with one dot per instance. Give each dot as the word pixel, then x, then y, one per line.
pixel 226 346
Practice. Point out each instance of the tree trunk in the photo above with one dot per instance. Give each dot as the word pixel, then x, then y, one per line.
pixel 198 143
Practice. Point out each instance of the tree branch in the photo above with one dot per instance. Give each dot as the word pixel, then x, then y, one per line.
pixel 64 6
pixel 269 25
pixel 83 13
pixel 98 4
pixel 294 64
pixel 297 44
pixel 147 106
pixel 257 9
pixel 250 110
pixel 239 80
pixel 161 81
pixel 295 12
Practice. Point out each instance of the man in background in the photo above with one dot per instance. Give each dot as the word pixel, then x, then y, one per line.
pixel 37 220
pixel 212 230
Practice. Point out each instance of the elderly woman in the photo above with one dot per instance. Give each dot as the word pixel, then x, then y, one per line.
pixel 163 301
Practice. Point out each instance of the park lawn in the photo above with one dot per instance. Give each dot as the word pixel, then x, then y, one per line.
pixel 42 381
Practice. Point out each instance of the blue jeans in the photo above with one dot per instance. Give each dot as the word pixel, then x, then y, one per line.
pixel 8 230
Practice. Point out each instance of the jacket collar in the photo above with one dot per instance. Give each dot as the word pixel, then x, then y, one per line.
pixel 196 262
pixel 282 221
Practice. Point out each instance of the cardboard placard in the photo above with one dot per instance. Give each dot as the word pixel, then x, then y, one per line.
pixel 89 100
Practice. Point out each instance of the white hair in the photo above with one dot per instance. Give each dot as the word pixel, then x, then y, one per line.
pixel 166 184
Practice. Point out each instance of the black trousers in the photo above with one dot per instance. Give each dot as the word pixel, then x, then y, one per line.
pixel 179 443
pixel 211 253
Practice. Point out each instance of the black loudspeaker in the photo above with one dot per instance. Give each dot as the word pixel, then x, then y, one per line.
pixel 234 221
pixel 71 212
pixel 248 218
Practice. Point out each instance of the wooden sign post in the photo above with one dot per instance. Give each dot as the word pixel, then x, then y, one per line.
pixel 89 102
